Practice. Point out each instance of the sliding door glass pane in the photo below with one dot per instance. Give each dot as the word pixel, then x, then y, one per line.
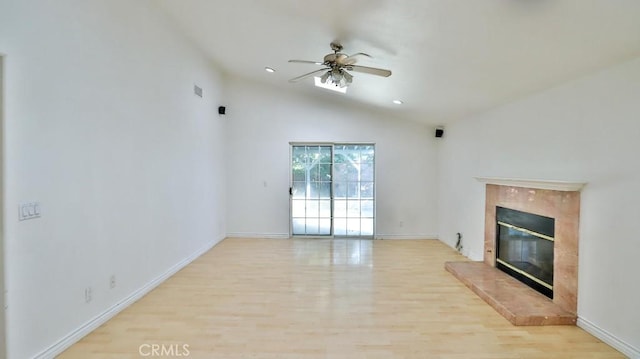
pixel 311 190
pixel 354 190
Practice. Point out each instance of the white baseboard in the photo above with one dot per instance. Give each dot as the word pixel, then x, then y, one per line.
pixel 258 235
pixel 112 311
pixel 605 336
pixel 406 236
pixel 286 236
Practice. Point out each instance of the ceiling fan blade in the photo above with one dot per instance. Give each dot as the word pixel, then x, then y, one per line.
pixel 354 58
pixel 306 62
pixel 370 70
pixel 296 79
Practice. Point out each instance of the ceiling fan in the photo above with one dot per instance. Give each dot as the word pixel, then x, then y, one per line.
pixel 335 67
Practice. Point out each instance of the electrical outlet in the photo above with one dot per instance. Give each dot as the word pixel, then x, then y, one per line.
pixel 88 294
pixel 112 282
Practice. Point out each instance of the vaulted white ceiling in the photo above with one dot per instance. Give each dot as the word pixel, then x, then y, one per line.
pixel 450 58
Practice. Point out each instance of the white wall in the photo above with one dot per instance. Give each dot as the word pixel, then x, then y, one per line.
pixel 262 121
pixel 103 129
pixel 587 130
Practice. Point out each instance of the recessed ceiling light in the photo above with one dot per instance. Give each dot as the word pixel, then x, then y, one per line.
pixel 269 69
pixel 398 102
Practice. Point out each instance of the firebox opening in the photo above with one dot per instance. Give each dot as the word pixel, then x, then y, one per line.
pixel 524 248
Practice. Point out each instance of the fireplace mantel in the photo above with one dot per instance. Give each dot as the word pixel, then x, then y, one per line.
pixel 533 183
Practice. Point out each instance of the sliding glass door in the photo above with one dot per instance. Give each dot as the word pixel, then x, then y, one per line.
pixel 311 190
pixel 332 190
pixel 353 184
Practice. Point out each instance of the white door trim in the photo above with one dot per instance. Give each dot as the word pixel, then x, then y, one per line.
pixel 3 308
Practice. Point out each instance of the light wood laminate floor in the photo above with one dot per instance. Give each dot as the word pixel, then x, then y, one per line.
pixel 286 299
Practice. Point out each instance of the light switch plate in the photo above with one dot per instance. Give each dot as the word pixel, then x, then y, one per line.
pixel 29 210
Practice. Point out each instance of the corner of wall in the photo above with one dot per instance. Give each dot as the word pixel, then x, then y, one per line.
pixel 3 292
pixel 85 329
pixel 612 340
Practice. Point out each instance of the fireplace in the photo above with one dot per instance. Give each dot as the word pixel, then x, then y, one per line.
pixel 525 248
pixel 530 227
pixel 555 200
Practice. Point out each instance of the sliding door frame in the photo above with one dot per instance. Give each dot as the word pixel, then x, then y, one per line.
pixel 291 186
pixel 3 290
pixel 332 198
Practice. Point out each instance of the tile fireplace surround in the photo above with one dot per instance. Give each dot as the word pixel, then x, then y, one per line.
pixel 559 200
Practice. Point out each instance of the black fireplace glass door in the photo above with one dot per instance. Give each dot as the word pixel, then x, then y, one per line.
pixel 527 252
pixel 524 248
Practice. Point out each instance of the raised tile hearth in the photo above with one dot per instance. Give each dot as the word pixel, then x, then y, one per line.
pixel 515 301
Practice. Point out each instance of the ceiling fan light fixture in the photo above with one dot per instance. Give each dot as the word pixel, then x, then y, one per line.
pixel 338 78
pixel 347 76
pixel 329 85
pixel 269 69
pixel 325 77
pixel 344 82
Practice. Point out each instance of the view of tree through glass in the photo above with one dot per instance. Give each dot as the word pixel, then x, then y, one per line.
pixel 347 198
pixel 353 184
